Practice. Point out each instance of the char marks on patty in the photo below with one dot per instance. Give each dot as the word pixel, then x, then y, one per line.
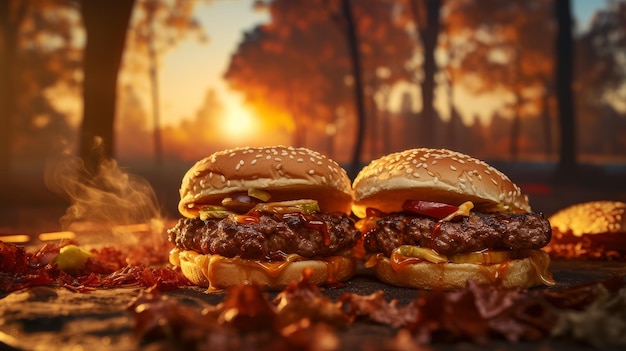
pixel 270 238
pixel 478 231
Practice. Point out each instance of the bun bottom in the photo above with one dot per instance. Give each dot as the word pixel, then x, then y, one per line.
pixel 218 272
pixel 523 273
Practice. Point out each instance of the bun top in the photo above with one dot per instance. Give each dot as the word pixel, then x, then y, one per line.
pixel 434 175
pixel 286 173
pixel 594 217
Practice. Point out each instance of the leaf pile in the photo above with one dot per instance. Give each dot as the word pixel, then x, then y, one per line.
pixel 299 318
pixel 302 317
pixel 107 267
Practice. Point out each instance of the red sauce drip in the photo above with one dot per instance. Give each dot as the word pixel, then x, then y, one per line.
pixel 399 261
pixel 501 270
pixel 434 232
pixel 243 219
pixel 314 224
pixel 320 226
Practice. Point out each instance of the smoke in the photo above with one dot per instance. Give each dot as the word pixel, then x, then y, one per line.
pixel 109 207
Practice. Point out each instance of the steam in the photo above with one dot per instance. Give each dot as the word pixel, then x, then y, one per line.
pixel 108 207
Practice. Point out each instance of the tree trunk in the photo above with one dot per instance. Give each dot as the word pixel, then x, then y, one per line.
pixel 426 16
pixel 564 66
pixel 515 128
pixel 547 121
pixel 154 83
pixel 106 25
pixel 9 25
pixel 353 45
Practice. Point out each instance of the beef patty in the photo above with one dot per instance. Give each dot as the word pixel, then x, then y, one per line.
pixel 476 232
pixel 270 237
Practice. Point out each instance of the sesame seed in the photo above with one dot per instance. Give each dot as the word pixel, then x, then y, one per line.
pixel 300 160
pixel 311 172
pixel 253 162
pixel 452 168
pixel 223 178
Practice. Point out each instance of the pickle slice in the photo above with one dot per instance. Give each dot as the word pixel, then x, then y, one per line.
pixel 420 252
pixel 482 257
pixel 212 211
pixel 305 206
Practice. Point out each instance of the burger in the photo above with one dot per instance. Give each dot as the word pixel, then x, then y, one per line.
pixel 435 218
pixel 589 230
pixel 264 215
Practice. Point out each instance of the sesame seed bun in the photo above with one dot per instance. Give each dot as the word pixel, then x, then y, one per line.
pixel 287 173
pixel 593 230
pixel 449 177
pixel 434 175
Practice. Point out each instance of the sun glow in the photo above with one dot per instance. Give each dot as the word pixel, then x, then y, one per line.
pixel 239 123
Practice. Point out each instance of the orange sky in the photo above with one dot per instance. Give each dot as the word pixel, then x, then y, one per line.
pixel 192 68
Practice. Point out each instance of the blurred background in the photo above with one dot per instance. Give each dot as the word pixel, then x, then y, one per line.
pixel 122 97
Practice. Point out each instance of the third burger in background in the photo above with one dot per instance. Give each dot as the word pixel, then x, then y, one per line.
pixel 435 218
pixel 589 230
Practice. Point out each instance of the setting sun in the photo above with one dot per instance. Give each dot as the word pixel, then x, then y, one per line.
pixel 239 123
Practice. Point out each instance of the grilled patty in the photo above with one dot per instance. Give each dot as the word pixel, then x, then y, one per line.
pixel 476 232
pixel 270 238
